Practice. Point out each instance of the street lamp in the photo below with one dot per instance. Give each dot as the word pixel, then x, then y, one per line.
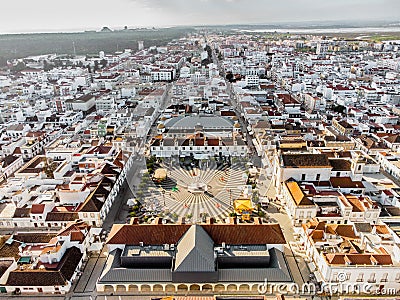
pixel 230 196
pixel 163 193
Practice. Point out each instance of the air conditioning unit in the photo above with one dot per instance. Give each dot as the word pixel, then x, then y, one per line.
pixel 220 250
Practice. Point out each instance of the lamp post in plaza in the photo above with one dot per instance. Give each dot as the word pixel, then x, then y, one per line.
pixel 230 197
pixel 162 191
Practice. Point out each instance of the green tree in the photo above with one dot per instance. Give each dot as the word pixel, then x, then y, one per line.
pixel 96 65
pixel 103 63
pixel 49 167
pixel 19 66
pixel 47 66
pixel 229 76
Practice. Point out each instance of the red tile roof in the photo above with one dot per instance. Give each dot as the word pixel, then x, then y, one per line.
pixel 234 234
pixel 147 234
pixel 37 208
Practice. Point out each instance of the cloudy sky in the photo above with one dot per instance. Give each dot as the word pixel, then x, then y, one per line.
pixel 56 15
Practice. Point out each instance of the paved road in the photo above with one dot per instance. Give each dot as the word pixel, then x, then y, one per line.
pixel 298 267
pixel 85 287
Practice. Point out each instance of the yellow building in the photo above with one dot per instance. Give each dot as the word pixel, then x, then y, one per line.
pixel 243 207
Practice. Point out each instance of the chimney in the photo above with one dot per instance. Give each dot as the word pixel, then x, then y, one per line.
pixel 134 221
pixel 232 220
pixel 210 220
pixel 257 221
pixel 181 220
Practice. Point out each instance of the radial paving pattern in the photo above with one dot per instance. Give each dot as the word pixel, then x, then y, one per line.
pixel 223 186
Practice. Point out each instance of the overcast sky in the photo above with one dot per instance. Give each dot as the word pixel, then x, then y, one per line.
pixel 56 15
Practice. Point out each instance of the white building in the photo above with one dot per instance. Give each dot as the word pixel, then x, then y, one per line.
pixel 352 255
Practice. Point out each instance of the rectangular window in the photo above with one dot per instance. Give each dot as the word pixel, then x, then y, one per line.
pixel 318 177
pixel 303 177
pixel 371 278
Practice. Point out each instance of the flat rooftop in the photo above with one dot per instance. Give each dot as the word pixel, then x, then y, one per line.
pixel 147 251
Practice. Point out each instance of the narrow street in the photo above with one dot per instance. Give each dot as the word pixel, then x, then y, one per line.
pixel 85 285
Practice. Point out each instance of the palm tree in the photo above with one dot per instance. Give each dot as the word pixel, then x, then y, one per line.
pixel 49 167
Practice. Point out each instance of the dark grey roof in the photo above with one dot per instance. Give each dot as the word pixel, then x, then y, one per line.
pixel 113 272
pixel 195 251
pixel 277 271
pixel 363 227
pixel 252 275
pixel 137 275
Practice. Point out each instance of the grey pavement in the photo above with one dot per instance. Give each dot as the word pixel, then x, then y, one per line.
pixel 298 267
pixel 83 279
pixel 85 287
pixel 91 285
pixel 33 296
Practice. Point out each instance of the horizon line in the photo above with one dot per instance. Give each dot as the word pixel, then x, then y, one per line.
pixel 313 23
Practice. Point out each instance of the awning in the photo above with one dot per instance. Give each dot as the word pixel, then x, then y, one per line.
pixel 24 260
pixel 200 156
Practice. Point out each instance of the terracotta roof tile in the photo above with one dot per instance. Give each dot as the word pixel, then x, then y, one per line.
pixel 64 272
pixel 345 182
pixel 219 233
pixel 37 208
pixel 246 234
pixel 306 160
pixel 297 194
pixel 147 234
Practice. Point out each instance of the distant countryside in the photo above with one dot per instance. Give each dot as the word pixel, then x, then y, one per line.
pixel 85 43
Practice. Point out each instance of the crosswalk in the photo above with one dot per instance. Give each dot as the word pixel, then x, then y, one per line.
pixel 223 186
